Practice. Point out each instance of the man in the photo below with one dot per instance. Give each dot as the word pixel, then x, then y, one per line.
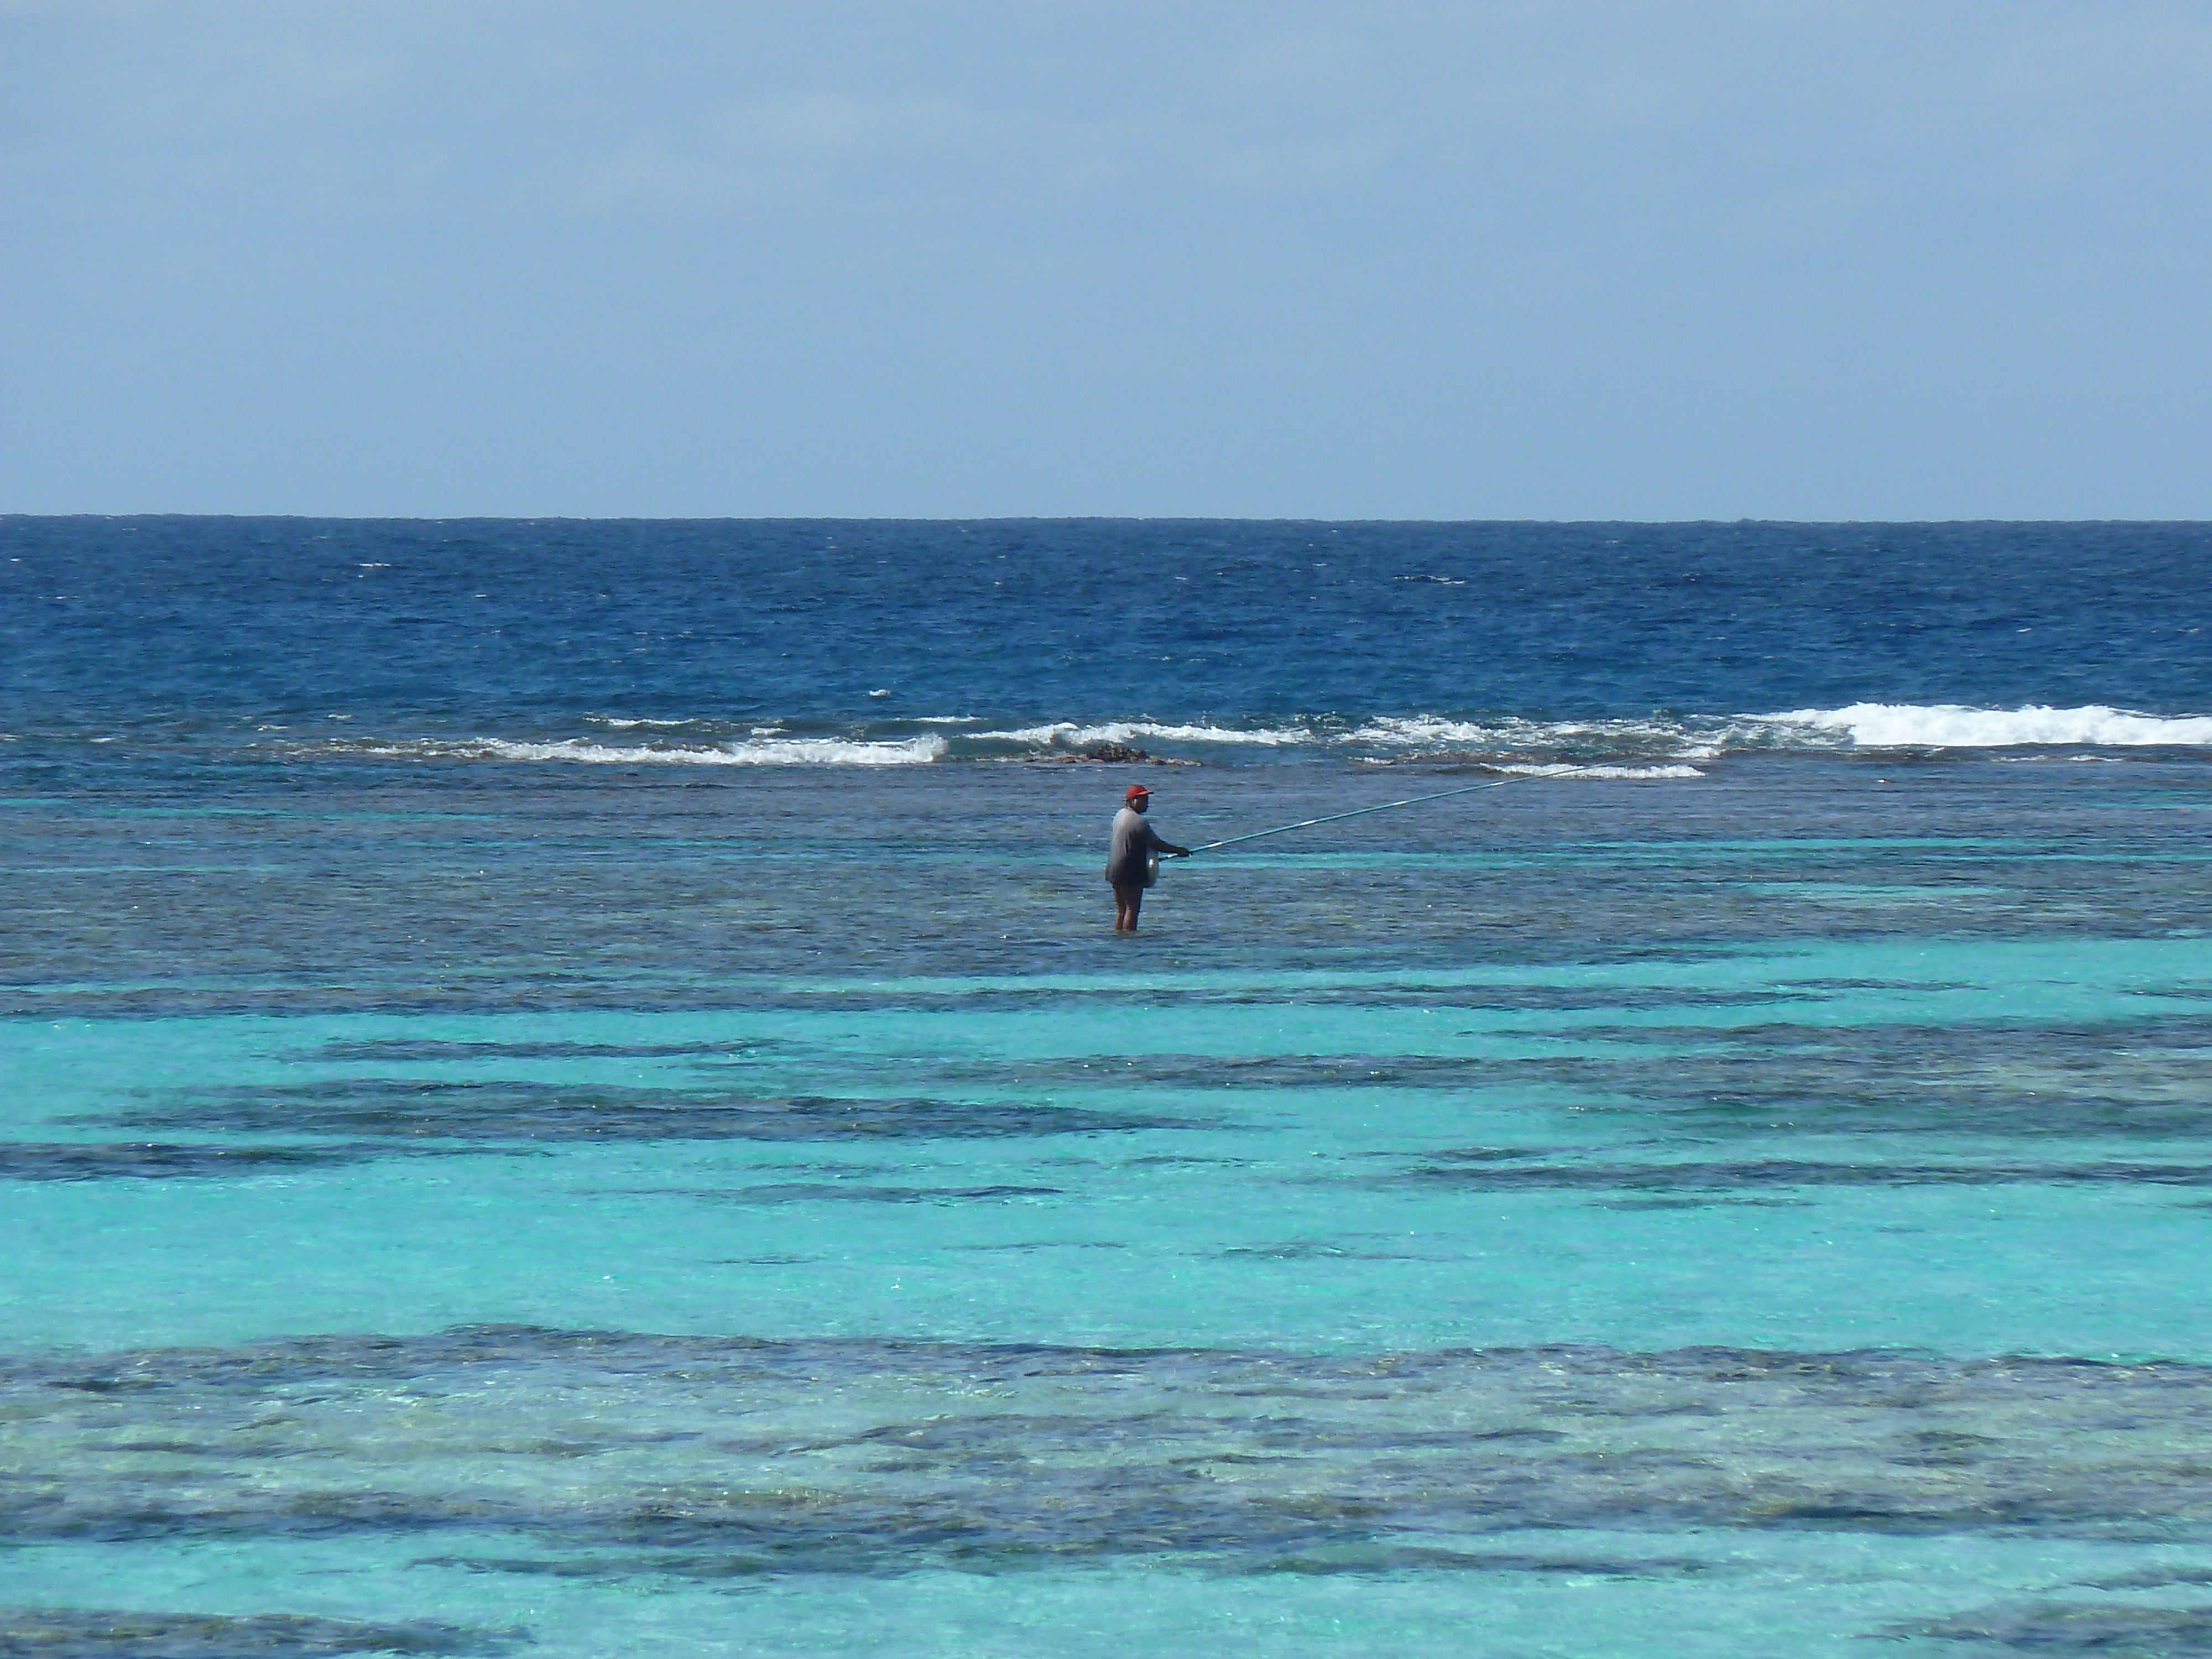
pixel 1128 864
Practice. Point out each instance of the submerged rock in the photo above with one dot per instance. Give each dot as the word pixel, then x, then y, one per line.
pixel 1112 754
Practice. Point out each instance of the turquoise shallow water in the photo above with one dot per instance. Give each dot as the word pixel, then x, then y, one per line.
pixel 484 1207
pixel 1328 1159
pixel 565 1089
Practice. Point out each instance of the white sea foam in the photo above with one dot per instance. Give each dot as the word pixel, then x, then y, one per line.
pixel 1950 725
pixel 1433 730
pixel 1700 739
pixel 1652 746
pixel 771 752
pixel 1633 774
pixel 1707 737
pixel 1072 735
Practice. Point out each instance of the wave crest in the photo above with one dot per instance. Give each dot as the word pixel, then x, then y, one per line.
pixel 758 752
pixel 1072 735
pixel 1656 745
pixel 1632 773
pixel 1952 726
pixel 1507 736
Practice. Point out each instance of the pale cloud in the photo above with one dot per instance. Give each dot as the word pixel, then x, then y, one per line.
pixel 790 146
pixel 1501 230
pixel 832 126
pixel 1307 65
pixel 1298 165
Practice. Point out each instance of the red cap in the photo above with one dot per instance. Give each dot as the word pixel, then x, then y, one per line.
pixel 1137 791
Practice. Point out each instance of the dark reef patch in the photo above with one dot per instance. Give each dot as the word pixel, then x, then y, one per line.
pixel 2063 1628
pixel 1461 1170
pixel 428 1050
pixel 2147 1078
pixel 832 1192
pixel 396 1109
pixel 585 1452
pixel 65 1160
pixel 86 1633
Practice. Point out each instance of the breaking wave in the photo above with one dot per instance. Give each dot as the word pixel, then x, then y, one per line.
pixel 1707 737
pixel 1656 745
pixel 1507 736
pixel 1072 735
pixel 1951 726
pixel 1633 774
pixel 756 751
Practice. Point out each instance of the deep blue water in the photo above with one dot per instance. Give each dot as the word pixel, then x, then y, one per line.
pixel 569 1089
pixel 508 627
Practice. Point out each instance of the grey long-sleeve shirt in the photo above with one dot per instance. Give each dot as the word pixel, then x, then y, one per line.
pixel 1134 842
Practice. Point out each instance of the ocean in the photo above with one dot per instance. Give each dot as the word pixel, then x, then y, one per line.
pixel 571 1091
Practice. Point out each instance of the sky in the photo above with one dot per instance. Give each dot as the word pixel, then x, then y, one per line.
pixel 1793 259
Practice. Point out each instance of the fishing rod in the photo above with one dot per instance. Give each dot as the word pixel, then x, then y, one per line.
pixel 1384 806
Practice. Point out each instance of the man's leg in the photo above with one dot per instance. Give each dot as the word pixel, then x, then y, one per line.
pixel 1126 901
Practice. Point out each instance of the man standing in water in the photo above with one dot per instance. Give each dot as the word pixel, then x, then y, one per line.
pixel 1128 864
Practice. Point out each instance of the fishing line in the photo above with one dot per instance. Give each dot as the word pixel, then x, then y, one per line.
pixel 1384 806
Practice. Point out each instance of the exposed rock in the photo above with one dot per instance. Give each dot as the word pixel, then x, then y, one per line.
pixel 1110 754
